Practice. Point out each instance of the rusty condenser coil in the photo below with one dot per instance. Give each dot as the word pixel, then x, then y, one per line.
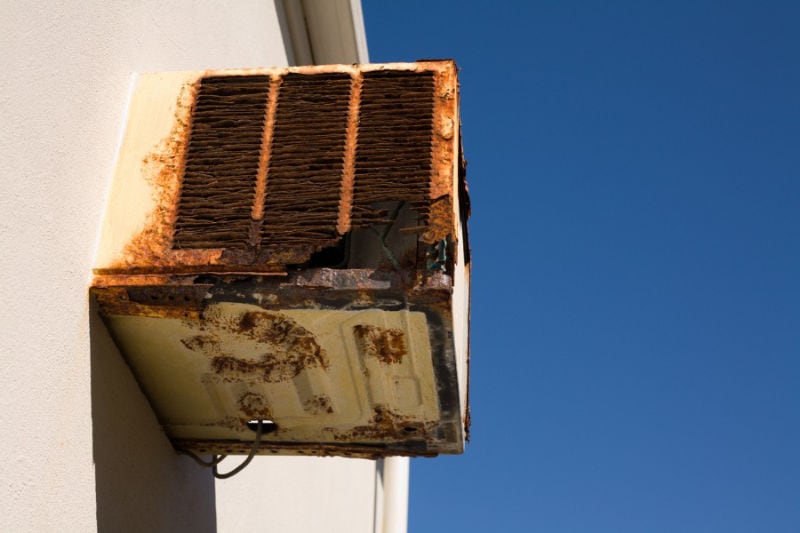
pixel 286 248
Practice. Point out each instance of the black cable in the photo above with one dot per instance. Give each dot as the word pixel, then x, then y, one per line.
pixel 199 460
pixel 217 459
pixel 253 450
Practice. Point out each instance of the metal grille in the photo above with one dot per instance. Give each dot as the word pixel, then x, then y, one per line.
pixel 306 161
pixel 393 157
pixel 222 159
pixel 267 162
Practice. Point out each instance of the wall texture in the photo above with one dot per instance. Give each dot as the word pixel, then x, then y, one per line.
pixel 299 494
pixel 81 446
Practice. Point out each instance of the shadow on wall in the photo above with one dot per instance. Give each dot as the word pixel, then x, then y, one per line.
pixel 141 483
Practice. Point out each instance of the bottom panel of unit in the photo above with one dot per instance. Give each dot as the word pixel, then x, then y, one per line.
pixel 317 370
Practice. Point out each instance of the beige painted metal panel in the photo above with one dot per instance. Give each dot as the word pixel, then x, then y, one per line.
pixel 331 378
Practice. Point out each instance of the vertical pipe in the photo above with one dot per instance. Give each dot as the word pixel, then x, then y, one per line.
pixel 395 494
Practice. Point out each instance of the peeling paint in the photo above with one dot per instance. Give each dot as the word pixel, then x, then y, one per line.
pixel 388 345
pixel 162 169
pixel 387 423
pixel 320 404
pixel 274 210
pixel 254 405
pixel 286 348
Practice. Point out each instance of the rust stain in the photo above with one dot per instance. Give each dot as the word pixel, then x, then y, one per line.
pixel 440 221
pixel 230 422
pixel 144 275
pixel 243 447
pixel 443 142
pixel 393 158
pixel 266 148
pixel 104 279
pixel 306 164
pixel 286 347
pixel 266 346
pixel 163 169
pixel 254 405
pixel 318 405
pixel 116 301
pixel 152 249
pixel 208 344
pixel 348 173
pixel 387 425
pixel 388 345
pixel 221 163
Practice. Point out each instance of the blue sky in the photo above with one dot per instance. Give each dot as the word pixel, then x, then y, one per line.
pixel 635 178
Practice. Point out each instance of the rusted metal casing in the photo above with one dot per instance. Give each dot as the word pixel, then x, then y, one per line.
pixel 289 245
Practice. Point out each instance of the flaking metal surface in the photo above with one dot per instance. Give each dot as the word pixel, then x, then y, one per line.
pixel 291 160
pixel 297 262
pixel 343 363
pixel 222 156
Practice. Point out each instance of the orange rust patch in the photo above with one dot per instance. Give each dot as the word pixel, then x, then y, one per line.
pixel 285 347
pixel 348 173
pixel 101 279
pixel 388 345
pixel 442 142
pixel 266 148
pixel 429 98
pixel 267 369
pixel 440 221
pixel 162 169
pixel 114 301
pixel 306 163
pixel 386 425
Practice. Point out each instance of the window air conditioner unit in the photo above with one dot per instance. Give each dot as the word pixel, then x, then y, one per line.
pixel 287 248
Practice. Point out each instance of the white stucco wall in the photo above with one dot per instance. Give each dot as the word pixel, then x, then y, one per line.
pixel 299 494
pixel 82 449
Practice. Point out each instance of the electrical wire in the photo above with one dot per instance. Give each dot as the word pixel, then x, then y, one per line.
pixel 218 458
pixel 199 460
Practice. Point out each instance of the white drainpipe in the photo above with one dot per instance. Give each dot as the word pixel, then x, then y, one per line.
pixel 395 494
